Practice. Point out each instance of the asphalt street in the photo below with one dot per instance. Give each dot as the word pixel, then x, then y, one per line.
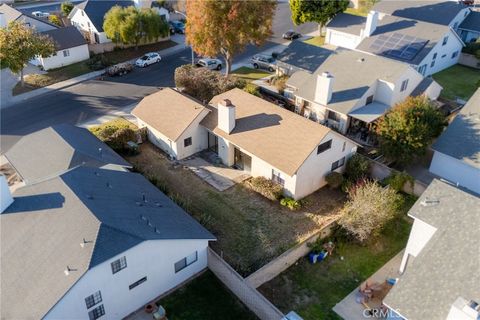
pixel 95 98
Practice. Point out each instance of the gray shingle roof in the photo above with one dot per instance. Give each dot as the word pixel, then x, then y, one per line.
pixel 471 22
pixel 65 38
pixel 461 139
pixel 12 14
pixel 347 89
pixel 422 86
pixel 433 11
pixel 303 56
pixel 390 25
pixel 448 266
pixel 53 150
pixel 96 10
pixel 42 230
pixel 347 23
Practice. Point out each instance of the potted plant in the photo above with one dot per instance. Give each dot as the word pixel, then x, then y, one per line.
pixel 149 308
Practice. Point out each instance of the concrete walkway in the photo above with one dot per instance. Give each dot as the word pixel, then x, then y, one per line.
pixel 219 177
pixel 349 308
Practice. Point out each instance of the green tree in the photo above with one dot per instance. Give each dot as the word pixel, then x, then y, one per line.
pixel 408 129
pixel 319 11
pixel 19 44
pixel 369 207
pixel 55 20
pixel 131 25
pixel 357 168
pixel 66 7
pixel 226 27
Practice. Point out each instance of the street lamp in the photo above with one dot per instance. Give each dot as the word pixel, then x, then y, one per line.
pixel 185 16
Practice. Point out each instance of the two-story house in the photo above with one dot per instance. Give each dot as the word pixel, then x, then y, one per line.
pixel 351 89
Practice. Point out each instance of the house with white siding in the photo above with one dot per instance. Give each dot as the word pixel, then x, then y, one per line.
pixel 351 103
pixel 86 240
pixel 456 156
pixel 249 134
pixel 423 34
pixel 9 14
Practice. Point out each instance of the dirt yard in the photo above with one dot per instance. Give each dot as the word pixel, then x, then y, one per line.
pixel 251 230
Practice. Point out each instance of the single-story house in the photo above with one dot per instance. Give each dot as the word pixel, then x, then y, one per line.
pixel 350 104
pixel 56 149
pixel 456 155
pixel 469 29
pixel 9 14
pixel 440 278
pixel 301 56
pixel 88 16
pixel 247 133
pixel 70 48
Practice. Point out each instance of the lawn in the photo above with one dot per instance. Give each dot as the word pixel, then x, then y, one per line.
pixel 363 9
pixel 316 41
pixel 458 81
pixel 250 74
pixel 204 298
pixel 35 81
pixel 126 54
pixel 251 230
pixel 313 290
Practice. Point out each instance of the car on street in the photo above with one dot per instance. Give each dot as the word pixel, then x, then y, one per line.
pixel 209 63
pixel 40 14
pixel 291 35
pixel 264 62
pixel 177 26
pixel 148 59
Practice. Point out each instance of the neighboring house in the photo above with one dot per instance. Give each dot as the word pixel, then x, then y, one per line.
pixel 352 89
pixel 301 56
pixel 250 134
pixel 88 16
pixel 457 150
pixel 10 14
pixel 469 29
pixel 440 267
pixel 427 47
pixel 70 48
pixel 53 150
pixel 93 243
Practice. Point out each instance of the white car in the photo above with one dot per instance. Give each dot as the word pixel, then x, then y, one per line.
pixel 148 59
pixel 212 64
pixel 40 14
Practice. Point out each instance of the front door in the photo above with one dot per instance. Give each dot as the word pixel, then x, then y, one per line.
pixel 242 161
pixel 212 143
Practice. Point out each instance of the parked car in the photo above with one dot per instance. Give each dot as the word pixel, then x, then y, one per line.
pixel 148 59
pixel 264 62
pixel 291 35
pixel 178 26
pixel 119 69
pixel 40 14
pixel 209 63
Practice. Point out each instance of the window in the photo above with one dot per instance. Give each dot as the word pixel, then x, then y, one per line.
pixel 187 142
pixel 185 262
pixel 93 299
pixel 66 53
pixel 137 283
pixel 444 55
pixel 344 145
pixel 422 69
pixel 454 55
pixel 369 99
pixel 432 64
pixel 97 312
pixel 338 163
pixel 333 116
pixel 404 85
pixel 324 146
pixel 277 177
pixel 119 264
pixel 306 103
pixel 434 56
pixel 445 40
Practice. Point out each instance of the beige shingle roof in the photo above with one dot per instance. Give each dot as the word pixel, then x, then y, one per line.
pixel 278 136
pixel 168 111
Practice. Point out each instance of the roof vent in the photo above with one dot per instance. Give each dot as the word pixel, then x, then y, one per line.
pixel 144 198
pixel 157 231
pixel 158 204
pixel 84 243
pixel 68 270
pixel 89 196
pixel 109 185
pixel 138 203
pixel 360 59
pixel 100 151
pixel 143 217
pixel 97 174
pixel 428 202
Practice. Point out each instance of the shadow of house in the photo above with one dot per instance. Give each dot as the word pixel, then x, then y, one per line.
pixel 37 202
pixel 255 122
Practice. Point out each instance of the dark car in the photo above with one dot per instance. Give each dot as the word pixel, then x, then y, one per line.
pixel 291 35
pixel 177 26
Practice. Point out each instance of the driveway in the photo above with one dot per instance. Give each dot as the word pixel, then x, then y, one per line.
pixel 8 80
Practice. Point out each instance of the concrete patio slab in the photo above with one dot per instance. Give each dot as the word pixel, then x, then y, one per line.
pixel 349 308
pixel 219 177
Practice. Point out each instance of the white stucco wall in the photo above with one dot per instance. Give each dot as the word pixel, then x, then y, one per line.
pixel 414 78
pixel 462 14
pixel 154 259
pixel 83 23
pixel 342 39
pixel 159 139
pixel 76 54
pixel 199 138
pixel 455 171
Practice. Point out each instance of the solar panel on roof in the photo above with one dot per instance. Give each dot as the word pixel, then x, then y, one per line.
pixel 398 45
